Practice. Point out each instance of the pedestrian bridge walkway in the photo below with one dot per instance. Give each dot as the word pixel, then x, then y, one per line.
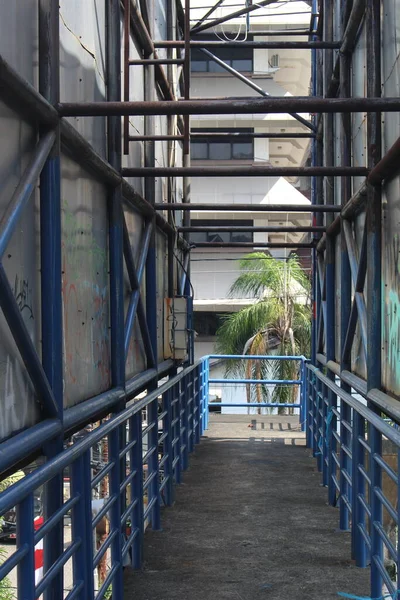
pixel 267 506
pixel 250 522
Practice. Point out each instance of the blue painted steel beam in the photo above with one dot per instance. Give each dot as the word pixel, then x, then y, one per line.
pixel 136 304
pixel 23 191
pixel 258 381
pixel 255 405
pixel 252 357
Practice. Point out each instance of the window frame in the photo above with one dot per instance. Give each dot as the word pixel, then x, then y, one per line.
pixel 210 143
pixel 228 55
pixel 231 236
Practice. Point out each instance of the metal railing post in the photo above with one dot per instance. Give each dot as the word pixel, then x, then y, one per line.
pixel 82 525
pixel 185 423
pixel 358 511
pixel 177 433
pixel 154 486
pixel 375 472
pixel 207 391
pixel 115 511
pixel 168 448
pixel 25 537
pixel 136 460
pixel 197 391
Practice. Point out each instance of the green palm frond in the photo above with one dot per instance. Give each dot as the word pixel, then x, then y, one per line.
pixel 279 322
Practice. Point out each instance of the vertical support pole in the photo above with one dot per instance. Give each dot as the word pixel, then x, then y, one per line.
pixel 358 491
pixel 207 392
pixel 168 448
pixel 374 279
pixel 136 460
pixel 127 29
pixel 82 525
pixel 50 247
pixel 185 423
pixel 345 274
pixel 177 433
pixel 115 218
pixel 154 487
pixel 197 375
pixel 25 537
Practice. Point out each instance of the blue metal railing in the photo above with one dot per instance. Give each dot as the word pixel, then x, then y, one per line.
pixel 147 448
pixel 357 451
pixel 300 382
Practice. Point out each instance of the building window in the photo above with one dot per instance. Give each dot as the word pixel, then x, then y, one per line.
pixel 222 148
pixel 274 62
pixel 240 59
pixel 207 323
pixel 221 236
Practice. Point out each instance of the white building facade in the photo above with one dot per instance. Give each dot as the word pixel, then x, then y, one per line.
pixel 279 73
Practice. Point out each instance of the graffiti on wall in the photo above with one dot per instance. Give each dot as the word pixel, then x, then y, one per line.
pixel 391 313
pixel 85 305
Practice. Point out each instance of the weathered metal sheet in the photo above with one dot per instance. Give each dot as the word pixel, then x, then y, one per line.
pixel 136 360
pixel 162 289
pixel 85 286
pixel 391 208
pixel 82 61
pixel 21 263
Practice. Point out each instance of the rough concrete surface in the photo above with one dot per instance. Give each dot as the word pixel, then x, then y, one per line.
pixel 250 522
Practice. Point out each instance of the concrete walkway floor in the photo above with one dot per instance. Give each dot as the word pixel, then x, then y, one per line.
pixel 250 522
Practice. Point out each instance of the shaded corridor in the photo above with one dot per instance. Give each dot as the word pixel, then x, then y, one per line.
pixel 250 522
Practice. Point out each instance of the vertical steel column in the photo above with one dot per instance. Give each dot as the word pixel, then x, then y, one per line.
pixel 151 265
pixel 374 278
pixel 50 248
pixel 207 392
pixel 345 274
pixel 329 198
pixel 197 378
pixel 127 30
pixel 82 525
pixel 115 218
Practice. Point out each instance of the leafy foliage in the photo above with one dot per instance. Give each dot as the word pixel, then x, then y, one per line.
pixel 278 322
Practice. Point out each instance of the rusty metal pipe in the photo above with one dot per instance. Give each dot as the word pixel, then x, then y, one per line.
pixel 245 105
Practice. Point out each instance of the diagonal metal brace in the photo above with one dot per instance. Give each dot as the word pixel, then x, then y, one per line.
pixel 25 346
pixel 136 303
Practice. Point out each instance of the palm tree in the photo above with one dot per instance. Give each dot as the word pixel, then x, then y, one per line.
pixel 278 322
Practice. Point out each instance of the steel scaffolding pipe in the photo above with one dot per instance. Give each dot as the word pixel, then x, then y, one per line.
pixel 260 135
pixel 252 85
pixel 387 167
pixel 245 105
pixel 234 15
pixel 243 229
pixel 252 44
pixel 251 245
pixel 244 171
pixel 286 208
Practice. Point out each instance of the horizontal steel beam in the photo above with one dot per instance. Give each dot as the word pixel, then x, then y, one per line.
pixel 251 245
pixel 245 105
pixel 242 229
pixel 155 138
pixel 254 405
pixel 244 171
pixel 156 61
pixel 251 44
pixel 259 135
pixel 306 208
